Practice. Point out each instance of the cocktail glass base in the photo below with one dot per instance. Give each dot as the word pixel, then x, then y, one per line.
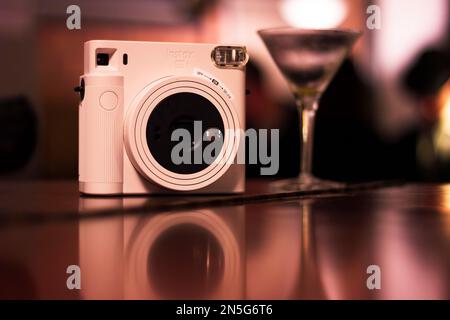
pixel 305 182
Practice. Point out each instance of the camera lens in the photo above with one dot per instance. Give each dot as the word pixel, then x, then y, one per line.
pixel 191 112
pixel 187 123
pixel 102 59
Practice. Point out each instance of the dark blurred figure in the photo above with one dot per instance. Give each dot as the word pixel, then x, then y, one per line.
pixel 347 145
pixel 18 133
pixel 425 80
pixel 428 73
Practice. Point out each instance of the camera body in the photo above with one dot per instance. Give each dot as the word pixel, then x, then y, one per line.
pixel 135 94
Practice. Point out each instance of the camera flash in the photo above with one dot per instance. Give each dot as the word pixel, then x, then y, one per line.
pixel 227 56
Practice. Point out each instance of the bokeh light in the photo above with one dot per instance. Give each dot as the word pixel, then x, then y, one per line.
pixel 314 14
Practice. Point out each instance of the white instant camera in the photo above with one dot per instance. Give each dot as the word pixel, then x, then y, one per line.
pixel 135 94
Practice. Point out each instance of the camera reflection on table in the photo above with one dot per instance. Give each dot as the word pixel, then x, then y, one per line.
pixel 199 254
pixel 175 255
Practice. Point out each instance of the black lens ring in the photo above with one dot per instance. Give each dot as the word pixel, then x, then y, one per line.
pixel 180 110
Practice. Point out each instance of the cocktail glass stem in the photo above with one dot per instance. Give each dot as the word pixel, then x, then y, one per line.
pixel 307 112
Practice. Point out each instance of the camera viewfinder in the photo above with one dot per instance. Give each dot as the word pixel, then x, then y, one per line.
pixel 102 59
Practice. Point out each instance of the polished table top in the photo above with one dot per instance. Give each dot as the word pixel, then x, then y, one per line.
pixel 258 246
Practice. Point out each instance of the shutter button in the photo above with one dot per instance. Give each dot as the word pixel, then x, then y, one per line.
pixel 108 100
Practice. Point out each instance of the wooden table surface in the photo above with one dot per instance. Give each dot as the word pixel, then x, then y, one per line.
pixel 255 246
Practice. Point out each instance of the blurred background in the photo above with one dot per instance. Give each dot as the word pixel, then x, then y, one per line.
pixel 386 115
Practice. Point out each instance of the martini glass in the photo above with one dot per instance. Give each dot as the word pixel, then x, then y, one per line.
pixel 309 60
